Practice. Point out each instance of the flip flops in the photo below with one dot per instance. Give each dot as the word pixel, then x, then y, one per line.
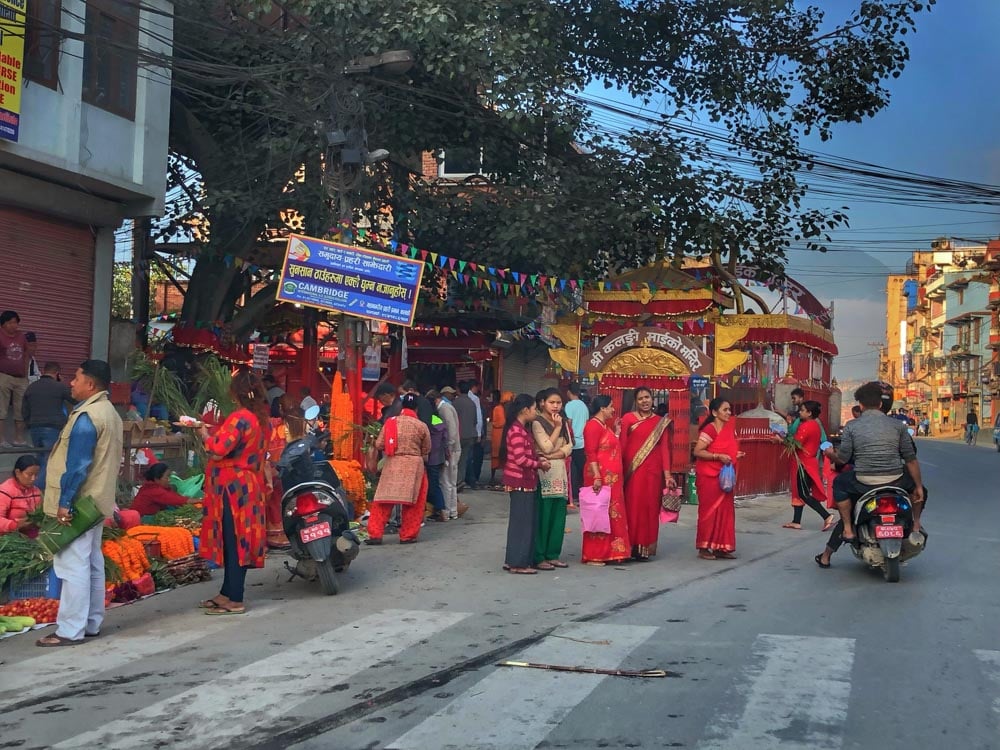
pixel 829 523
pixel 54 641
pixel 225 611
pixel 792 525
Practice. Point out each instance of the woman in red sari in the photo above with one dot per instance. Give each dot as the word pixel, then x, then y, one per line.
pixel 717 446
pixel 645 441
pixel 604 467
pixel 276 443
pixel 809 435
pixel 232 530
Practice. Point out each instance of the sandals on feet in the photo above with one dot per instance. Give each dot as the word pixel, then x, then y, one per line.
pixel 791 525
pixel 829 523
pixel 523 571
pixel 545 566
pixel 558 564
pixel 211 603
pixel 725 556
pixel 819 561
pixel 52 641
pixel 238 610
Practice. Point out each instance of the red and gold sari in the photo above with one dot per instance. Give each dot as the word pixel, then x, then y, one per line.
pixel 646 449
pixel 601 446
pixel 716 509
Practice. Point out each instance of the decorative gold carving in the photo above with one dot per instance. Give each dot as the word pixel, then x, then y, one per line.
pixel 646 361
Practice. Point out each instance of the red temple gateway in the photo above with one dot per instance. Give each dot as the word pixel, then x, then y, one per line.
pixel 670 330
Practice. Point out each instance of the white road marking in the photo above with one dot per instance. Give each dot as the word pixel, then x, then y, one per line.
pixel 514 708
pixel 991 664
pixel 266 691
pixel 58 667
pixel 797 693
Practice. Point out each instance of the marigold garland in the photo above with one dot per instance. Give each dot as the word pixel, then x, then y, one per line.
pixel 353 480
pixel 175 541
pixel 341 423
pixel 129 555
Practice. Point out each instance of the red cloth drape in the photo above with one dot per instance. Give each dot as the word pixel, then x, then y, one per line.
pixel 601 447
pixel 644 486
pixel 716 509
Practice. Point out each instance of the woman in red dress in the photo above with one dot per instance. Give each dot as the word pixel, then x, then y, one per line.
pixel 645 441
pixel 273 490
pixel 717 446
pixel 232 531
pixel 604 467
pixel 809 435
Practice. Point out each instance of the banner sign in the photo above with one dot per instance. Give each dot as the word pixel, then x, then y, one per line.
pixel 261 356
pixel 685 349
pixel 352 280
pixel 792 289
pixel 12 17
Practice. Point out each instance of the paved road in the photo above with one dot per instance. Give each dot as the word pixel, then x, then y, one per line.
pixel 769 651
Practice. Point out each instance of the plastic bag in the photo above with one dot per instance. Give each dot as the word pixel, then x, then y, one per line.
pixel 594 514
pixel 727 478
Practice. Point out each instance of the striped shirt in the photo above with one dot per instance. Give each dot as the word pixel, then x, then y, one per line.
pixel 876 444
pixel 521 467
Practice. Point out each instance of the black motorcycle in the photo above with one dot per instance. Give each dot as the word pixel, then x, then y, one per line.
pixel 316 516
pixel 883 531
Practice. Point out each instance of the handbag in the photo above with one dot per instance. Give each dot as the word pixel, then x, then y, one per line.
pixel 727 478
pixel 670 506
pixel 594 515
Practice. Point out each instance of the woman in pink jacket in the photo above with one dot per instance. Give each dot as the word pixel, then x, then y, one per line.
pixel 19 495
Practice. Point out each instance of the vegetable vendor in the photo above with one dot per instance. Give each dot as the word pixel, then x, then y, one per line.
pixel 156 493
pixel 19 496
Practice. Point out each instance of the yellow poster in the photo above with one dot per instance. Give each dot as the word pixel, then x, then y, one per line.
pixel 12 17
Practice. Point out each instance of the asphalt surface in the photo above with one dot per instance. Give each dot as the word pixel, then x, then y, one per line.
pixel 767 651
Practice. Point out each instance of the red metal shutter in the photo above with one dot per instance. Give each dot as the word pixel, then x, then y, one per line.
pixel 47 277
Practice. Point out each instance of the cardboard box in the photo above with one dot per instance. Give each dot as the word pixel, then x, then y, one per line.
pixel 137 433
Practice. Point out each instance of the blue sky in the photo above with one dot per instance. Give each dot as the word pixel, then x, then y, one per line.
pixel 941 121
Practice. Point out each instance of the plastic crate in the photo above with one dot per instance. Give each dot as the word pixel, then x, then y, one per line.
pixel 45 586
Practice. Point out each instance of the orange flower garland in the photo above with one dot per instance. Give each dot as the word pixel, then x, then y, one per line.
pixel 341 423
pixel 353 480
pixel 175 541
pixel 129 555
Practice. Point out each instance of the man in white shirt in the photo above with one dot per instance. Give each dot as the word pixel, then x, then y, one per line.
pixel 475 466
pixel 578 413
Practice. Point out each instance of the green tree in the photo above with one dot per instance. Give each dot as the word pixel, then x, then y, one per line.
pixel 256 86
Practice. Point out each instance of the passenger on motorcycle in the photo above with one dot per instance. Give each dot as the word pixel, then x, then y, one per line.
pixel 882 452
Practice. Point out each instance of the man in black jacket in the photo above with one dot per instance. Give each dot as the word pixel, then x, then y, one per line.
pixel 45 405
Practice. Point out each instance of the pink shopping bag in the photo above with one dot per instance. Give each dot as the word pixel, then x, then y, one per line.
pixel 594 514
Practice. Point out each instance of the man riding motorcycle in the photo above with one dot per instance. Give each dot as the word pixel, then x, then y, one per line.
pixel 882 452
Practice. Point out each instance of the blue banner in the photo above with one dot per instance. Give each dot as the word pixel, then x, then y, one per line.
pixel 364 283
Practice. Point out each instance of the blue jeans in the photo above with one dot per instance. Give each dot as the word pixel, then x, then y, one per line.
pixel 434 494
pixel 43 438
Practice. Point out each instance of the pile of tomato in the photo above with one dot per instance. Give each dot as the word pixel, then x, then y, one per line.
pixel 43 610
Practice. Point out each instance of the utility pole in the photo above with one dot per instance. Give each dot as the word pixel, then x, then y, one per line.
pixel 879 347
pixel 141 253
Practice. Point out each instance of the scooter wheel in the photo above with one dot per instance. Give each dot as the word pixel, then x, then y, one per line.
pixel 327 577
pixel 891 570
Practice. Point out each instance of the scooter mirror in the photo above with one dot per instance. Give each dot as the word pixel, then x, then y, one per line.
pixel 311 413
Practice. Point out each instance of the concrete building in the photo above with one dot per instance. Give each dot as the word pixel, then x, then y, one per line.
pixel 895 362
pixel 88 151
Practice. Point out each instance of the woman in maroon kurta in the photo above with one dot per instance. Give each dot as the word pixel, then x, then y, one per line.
pixel 717 446
pixel 604 467
pixel 232 530
pixel 645 441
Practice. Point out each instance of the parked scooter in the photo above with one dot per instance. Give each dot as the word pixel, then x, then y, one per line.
pixel 315 514
pixel 883 531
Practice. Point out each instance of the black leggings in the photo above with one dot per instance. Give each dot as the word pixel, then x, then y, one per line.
pixel 234 574
pixel 813 503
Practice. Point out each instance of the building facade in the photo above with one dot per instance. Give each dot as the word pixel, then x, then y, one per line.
pixel 89 150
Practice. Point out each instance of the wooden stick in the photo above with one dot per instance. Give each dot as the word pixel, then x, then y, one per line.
pixel 591 670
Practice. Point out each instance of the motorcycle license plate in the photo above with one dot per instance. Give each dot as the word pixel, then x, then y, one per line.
pixel 322 530
pixel 888 532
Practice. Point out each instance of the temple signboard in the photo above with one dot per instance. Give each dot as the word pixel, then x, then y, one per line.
pixel 648 351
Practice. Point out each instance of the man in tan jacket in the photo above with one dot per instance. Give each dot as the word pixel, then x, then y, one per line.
pixel 84 462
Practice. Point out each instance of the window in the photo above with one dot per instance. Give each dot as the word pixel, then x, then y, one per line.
pixel 110 56
pixel 41 43
pixel 961 296
pixel 975 331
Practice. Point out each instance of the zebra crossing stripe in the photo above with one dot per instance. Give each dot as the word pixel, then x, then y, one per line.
pixel 513 709
pixel 991 662
pixel 59 667
pixel 797 691
pixel 264 692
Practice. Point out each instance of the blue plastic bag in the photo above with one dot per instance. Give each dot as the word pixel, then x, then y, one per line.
pixel 727 478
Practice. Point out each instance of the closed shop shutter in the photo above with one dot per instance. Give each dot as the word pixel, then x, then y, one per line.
pixel 526 368
pixel 48 279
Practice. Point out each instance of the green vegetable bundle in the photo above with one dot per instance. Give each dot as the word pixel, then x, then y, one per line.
pixel 21 559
